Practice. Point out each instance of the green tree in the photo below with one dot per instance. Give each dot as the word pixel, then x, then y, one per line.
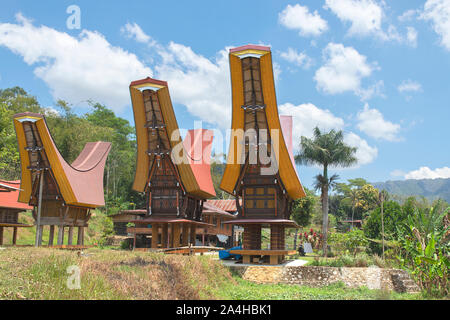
pixel 303 210
pixel 325 149
pixel 12 101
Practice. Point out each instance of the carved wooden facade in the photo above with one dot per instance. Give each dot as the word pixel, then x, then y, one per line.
pixel 265 183
pixel 173 188
pixel 62 195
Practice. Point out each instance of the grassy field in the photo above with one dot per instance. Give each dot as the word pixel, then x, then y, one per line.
pixel 30 273
pixel 26 236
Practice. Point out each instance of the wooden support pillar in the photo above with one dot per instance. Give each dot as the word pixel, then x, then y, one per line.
pixel 14 239
pixel 277 236
pixel 51 235
pixel 70 237
pixel 134 241
pixel 1 236
pixel 155 235
pixel 192 235
pixel 274 259
pixel 252 237
pixel 79 236
pixel 185 236
pixel 164 235
pixel 39 210
pixel 203 239
pixel 41 231
pixel 80 240
pixel 176 235
pixel 60 240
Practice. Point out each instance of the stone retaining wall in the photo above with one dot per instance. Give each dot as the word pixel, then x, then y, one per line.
pixel 371 277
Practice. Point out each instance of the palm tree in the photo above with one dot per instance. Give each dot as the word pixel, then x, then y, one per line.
pixel 325 149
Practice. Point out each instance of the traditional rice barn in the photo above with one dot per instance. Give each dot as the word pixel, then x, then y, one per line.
pixel 175 175
pixel 10 208
pixel 219 232
pixel 62 194
pixel 260 169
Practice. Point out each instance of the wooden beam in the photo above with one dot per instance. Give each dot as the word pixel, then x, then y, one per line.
pixel 192 235
pixel 60 240
pixel 14 239
pixel 1 236
pixel 38 218
pixel 164 235
pixel 185 236
pixel 70 237
pixel 41 231
pixel 81 232
pixel 155 234
pixel 51 235
pixel 176 235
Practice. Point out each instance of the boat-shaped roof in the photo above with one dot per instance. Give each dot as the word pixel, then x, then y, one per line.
pixel 194 173
pixel 284 157
pixel 80 183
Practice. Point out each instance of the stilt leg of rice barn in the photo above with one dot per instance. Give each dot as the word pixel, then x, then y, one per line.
pixel 70 237
pixel 41 232
pixel 60 235
pixel 14 239
pixel 51 235
pixel 134 241
pixel 252 237
pixel 164 235
pixel 38 218
pixel 1 236
pixel 176 235
pixel 277 238
pixel 155 235
pixel 192 234
pixel 185 236
pixel 170 235
pixel 80 236
pixel 203 239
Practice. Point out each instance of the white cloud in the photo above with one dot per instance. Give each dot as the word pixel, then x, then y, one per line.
pixel 343 70
pixel 364 153
pixel 409 85
pixel 427 173
pixel 300 59
pixel 408 15
pixel 411 36
pixel 372 122
pixel 75 68
pixel 438 12
pixel 299 18
pixel 134 31
pixel 365 16
pixel 366 19
pixel 200 84
pixel 307 116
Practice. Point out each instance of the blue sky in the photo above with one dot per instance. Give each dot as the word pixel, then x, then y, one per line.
pixel 378 70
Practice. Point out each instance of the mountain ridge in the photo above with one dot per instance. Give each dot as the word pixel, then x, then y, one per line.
pixel 429 188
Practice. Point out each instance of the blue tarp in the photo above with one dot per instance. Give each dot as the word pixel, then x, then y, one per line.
pixel 225 254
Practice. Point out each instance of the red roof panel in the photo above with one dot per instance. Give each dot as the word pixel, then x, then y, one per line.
pixel 9 197
pixel 198 144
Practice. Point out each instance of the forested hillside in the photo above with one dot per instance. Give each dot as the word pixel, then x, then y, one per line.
pixel 70 132
pixel 429 188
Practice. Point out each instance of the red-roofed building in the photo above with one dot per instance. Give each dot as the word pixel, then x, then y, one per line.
pixel 10 208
